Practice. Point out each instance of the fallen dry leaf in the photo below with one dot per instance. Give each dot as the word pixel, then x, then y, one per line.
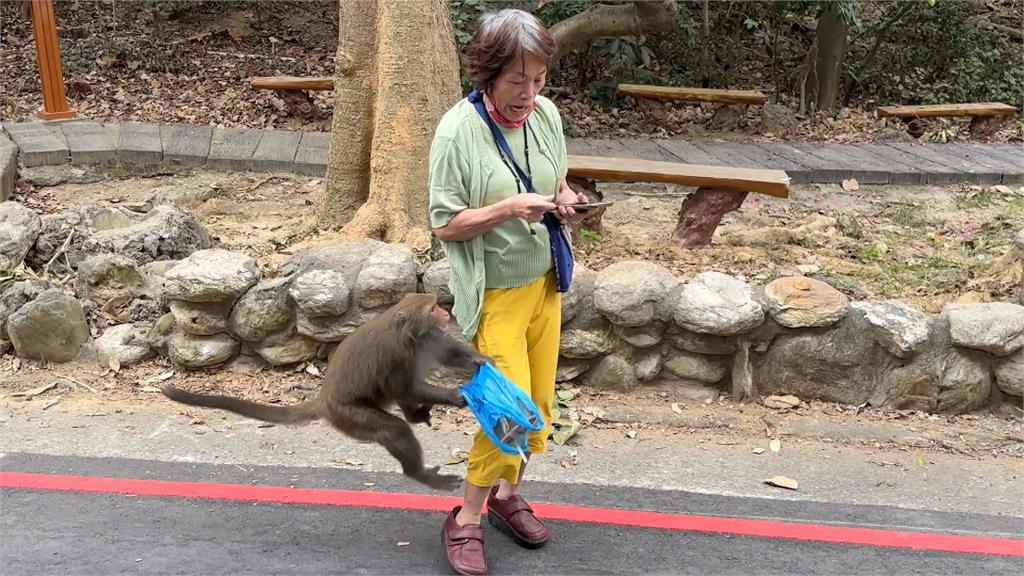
pixel 782 402
pixel 35 391
pixel 676 408
pixel 782 482
pixel 403 543
pixel 775 445
pixel 851 185
pixel 159 377
pixel 759 450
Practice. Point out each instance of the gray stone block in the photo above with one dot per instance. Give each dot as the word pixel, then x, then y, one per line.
pixel 276 151
pixel 232 148
pixel 39 145
pixel 311 157
pixel 185 145
pixel 8 167
pixel 88 142
pixel 140 143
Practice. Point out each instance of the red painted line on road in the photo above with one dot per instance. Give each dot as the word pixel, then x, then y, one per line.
pixel 606 516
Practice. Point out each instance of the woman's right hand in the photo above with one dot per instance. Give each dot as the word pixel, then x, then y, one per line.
pixel 529 206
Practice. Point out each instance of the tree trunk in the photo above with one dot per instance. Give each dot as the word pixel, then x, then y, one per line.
pixel 642 16
pixel 701 213
pixel 397 72
pixel 832 38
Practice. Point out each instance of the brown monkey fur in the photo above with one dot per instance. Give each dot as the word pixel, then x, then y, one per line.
pixel 383 363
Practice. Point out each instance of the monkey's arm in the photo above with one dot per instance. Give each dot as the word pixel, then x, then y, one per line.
pixel 459 355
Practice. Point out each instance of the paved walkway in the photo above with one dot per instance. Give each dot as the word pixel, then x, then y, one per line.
pixel 87 141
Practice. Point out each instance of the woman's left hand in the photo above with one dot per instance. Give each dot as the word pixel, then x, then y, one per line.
pixel 567 197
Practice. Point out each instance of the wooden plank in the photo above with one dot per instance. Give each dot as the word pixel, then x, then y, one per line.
pixel 770 182
pixel 611 148
pixel 972 173
pixel 928 172
pixel 726 154
pixel 798 173
pixel 822 171
pixel 650 150
pixel 580 146
pixel 688 153
pixel 1009 170
pixel 292 83
pixel 865 168
pixel 937 110
pixel 693 94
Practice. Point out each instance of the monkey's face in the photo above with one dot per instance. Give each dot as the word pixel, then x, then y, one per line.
pixel 439 316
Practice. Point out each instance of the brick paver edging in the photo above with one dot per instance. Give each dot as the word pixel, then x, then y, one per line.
pixel 83 141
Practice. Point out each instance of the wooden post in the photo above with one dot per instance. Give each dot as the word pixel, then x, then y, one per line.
pixel 44 29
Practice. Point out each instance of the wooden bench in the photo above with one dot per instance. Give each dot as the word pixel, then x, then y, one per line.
pixel 294 90
pixel 986 117
pixel 727 116
pixel 720 189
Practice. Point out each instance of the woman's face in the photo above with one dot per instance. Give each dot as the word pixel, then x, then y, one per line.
pixel 518 84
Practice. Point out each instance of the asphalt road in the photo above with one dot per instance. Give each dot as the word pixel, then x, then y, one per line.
pixel 371 529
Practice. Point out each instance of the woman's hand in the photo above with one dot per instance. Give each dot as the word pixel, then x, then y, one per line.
pixel 530 207
pixel 566 198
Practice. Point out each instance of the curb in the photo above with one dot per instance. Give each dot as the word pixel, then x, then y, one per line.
pixel 8 167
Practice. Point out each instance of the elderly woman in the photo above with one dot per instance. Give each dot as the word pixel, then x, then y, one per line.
pixel 502 275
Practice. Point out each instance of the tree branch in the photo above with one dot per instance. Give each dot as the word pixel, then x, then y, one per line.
pixel 621 20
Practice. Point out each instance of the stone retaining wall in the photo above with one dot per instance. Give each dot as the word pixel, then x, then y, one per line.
pixel 8 166
pixel 153 282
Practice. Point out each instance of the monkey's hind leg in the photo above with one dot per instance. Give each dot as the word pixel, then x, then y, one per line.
pixel 376 425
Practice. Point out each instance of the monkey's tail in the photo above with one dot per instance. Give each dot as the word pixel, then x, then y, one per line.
pixel 295 414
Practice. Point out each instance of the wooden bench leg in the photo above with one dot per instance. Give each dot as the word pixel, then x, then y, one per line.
pixel 987 126
pixel 701 213
pixel 299 103
pixel 592 221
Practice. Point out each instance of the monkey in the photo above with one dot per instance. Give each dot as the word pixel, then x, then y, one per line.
pixel 383 363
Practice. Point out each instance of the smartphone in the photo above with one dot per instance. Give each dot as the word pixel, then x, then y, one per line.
pixel 587 206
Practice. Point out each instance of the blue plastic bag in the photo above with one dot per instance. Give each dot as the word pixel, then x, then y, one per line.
pixel 505 412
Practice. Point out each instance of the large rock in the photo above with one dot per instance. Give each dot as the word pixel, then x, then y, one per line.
pixel 995 327
pixel 579 299
pixel 1010 374
pixel 941 378
pixel 104 277
pixel 286 347
pixel 695 367
pixel 320 293
pixel 800 302
pixel 262 310
pixel 585 344
pixel 125 343
pixel 435 281
pixel 19 228
pixel 164 233
pixel 570 369
pixel 900 329
pixel 332 328
pixel 611 372
pixel 777 119
pixel 836 365
pixel 716 303
pixel 213 275
pixel 629 293
pixel 644 336
pixel 14 296
pixel 386 276
pixel 648 365
pixel 703 343
pixel 52 327
pixel 200 318
pixel 194 352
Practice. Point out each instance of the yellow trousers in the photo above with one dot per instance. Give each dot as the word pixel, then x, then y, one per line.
pixel 520 328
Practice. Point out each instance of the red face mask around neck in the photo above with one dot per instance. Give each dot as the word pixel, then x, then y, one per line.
pixel 505 122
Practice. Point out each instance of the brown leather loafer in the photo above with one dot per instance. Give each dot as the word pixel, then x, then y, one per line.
pixel 515 518
pixel 464 546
